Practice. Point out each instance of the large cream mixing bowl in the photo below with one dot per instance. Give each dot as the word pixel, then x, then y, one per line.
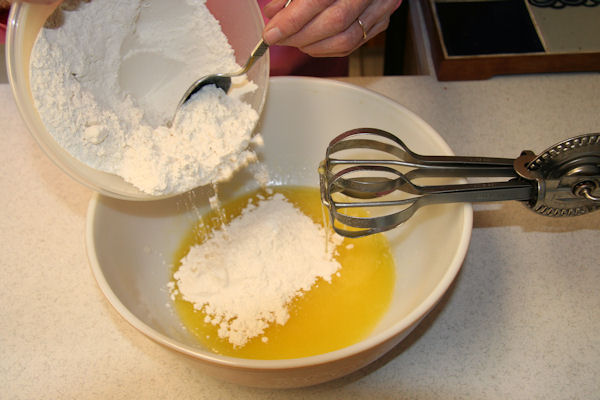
pixel 131 245
pixel 242 26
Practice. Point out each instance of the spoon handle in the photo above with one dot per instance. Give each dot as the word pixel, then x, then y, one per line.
pixel 260 49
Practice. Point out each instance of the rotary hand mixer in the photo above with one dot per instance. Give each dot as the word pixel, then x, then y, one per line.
pixel 373 170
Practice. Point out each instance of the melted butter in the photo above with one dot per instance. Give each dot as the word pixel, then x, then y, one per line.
pixel 328 317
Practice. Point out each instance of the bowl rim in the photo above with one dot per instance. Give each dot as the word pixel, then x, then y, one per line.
pixel 402 326
pixel 16 78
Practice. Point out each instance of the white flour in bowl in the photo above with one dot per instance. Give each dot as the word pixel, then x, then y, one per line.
pixel 106 77
pixel 245 275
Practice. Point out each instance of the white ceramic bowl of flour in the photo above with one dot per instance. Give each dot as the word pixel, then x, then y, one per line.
pixel 136 74
pixel 131 245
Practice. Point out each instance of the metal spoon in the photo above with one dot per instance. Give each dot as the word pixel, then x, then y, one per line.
pixel 223 80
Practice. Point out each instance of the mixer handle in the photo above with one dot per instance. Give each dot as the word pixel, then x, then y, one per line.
pixel 562 181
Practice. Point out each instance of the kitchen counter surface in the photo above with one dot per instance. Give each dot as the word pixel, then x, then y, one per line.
pixel 521 321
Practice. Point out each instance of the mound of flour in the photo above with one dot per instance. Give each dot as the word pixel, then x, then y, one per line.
pixel 106 76
pixel 245 275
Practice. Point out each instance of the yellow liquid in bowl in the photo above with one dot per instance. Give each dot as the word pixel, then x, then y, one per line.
pixel 328 317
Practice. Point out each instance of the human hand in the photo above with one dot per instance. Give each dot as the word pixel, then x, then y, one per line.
pixel 326 28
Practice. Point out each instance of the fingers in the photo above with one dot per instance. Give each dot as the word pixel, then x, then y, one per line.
pixel 273 8
pixel 331 21
pixel 328 28
pixel 287 22
pixel 345 42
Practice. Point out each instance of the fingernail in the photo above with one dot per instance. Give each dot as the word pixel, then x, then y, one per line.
pixel 272 36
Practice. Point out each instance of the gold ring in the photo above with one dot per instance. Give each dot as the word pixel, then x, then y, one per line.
pixel 362 26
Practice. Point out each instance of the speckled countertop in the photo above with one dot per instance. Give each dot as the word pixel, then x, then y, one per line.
pixel 521 321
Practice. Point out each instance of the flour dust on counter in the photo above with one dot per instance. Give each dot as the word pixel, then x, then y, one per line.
pixel 263 279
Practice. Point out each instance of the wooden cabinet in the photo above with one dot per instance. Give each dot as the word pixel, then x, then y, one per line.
pixel 482 38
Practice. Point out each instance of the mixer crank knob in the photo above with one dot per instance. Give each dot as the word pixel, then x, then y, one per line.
pixel 567 175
